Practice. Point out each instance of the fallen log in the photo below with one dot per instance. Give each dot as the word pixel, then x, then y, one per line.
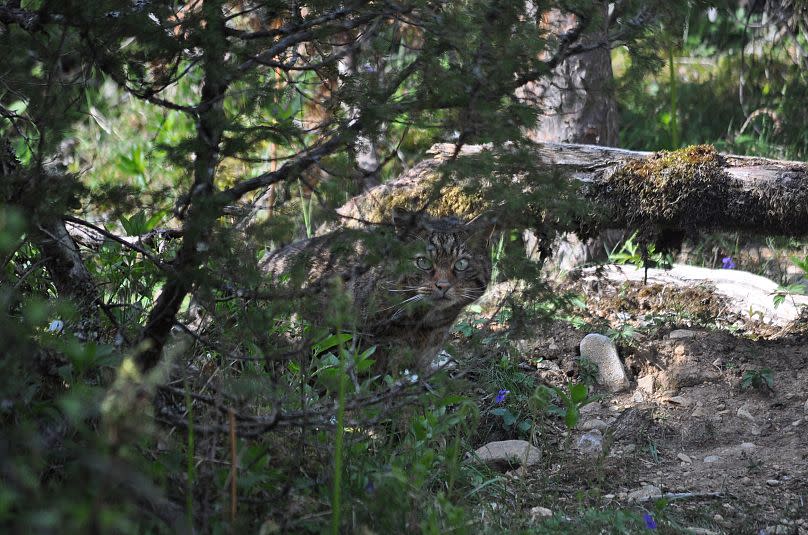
pixel 691 189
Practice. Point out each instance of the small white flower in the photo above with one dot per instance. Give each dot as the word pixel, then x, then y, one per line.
pixel 56 326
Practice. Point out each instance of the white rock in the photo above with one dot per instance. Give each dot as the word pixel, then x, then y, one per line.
pixel 772 482
pixel 646 384
pixel 540 512
pixel 594 423
pixel 681 333
pixel 602 351
pixel 638 397
pixel 684 458
pixel 647 492
pixel 744 291
pixel 805 407
pixel 518 452
pixel 743 412
pixel 590 442
pixel 712 459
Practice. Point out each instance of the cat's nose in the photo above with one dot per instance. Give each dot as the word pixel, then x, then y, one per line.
pixel 443 285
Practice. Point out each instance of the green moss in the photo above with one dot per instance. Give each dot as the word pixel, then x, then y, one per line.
pixel 440 201
pixel 679 188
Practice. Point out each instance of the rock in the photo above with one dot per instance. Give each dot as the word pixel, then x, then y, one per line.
pixel 772 482
pixel 681 333
pixel 700 531
pixel 805 407
pixel 743 412
pixel 594 423
pixel 699 412
pixel 508 452
pixel 590 442
pixel 602 351
pixel 684 458
pixel 712 459
pixel 540 512
pixel 646 384
pixel 645 493
pixel 548 365
pixel 638 397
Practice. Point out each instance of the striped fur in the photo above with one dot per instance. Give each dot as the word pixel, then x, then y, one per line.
pixel 404 303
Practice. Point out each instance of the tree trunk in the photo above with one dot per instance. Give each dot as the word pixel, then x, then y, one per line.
pixel 691 189
pixel 576 105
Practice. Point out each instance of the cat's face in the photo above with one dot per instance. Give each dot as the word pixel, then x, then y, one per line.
pixel 451 263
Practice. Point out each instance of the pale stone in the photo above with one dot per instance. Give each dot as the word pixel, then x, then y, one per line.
pixel 508 451
pixel 712 459
pixel 539 512
pixel 602 351
pixel 645 493
pixel 646 384
pixel 590 442
pixel 681 333
pixel 594 423
pixel 772 482
pixel 684 458
pixel 743 412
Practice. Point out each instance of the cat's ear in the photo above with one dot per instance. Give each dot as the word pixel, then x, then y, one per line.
pixel 484 226
pixel 409 224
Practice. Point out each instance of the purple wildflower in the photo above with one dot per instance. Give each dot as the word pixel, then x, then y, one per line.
pixel 650 523
pixel 501 395
pixel 728 263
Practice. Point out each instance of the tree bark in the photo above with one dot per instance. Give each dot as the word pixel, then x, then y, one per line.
pixel 691 189
pixel 576 102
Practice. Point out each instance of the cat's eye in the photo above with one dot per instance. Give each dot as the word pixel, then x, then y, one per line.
pixel 423 262
pixel 461 265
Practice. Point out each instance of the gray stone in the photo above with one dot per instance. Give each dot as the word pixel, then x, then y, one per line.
pixel 645 493
pixel 590 442
pixel 712 459
pixel 772 482
pixel 594 423
pixel 681 334
pixel 743 412
pixel 646 384
pixel 684 458
pixel 602 351
pixel 805 407
pixel 540 512
pixel 508 452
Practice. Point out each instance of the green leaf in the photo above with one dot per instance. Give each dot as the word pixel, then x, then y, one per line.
pixel 331 341
pixel 571 417
pixel 578 393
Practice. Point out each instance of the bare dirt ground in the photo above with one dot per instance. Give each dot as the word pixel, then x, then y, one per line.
pixel 728 457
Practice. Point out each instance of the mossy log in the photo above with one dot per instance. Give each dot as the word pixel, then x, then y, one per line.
pixel 692 189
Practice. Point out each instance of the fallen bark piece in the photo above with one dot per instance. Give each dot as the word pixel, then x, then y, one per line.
pixel 747 294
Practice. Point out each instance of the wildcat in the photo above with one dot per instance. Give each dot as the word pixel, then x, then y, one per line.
pixel 406 293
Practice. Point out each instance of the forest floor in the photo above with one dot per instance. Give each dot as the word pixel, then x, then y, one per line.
pixel 715 419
